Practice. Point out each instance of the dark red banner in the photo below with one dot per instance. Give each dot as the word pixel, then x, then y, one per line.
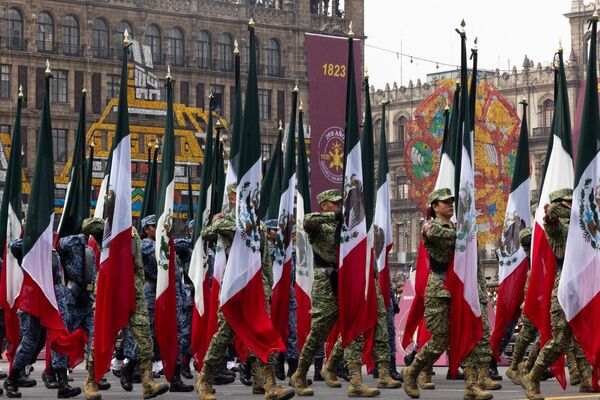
pixel 326 59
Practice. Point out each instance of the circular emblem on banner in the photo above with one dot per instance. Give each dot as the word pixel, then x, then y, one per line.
pixel 331 154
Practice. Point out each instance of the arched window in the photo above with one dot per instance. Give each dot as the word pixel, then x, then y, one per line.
pixel 14 28
pixel 400 129
pixel 225 53
pixel 118 37
pixel 203 49
pixel 70 36
pixel 100 39
pixel 547 112
pixel 376 130
pixel 175 47
pixel 45 32
pixel 153 39
pixel 273 58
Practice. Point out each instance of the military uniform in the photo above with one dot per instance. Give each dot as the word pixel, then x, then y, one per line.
pixel 556 225
pixel 183 247
pixel 322 230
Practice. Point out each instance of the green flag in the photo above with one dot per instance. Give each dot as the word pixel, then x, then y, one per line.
pixel 271 184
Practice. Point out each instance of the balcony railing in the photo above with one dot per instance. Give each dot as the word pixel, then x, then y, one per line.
pixel 541 131
pixel 13 43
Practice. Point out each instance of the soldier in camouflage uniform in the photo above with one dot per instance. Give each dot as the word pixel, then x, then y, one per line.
pixel 291 354
pixel 439 236
pixel 183 248
pixel 556 225
pixel 223 225
pixel 322 228
pixel 392 310
pixel 138 320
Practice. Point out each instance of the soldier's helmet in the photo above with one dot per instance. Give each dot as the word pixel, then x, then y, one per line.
pixel 332 195
pixel 439 195
pixel 561 194
pixel 231 188
pixel 93 226
pixel 525 237
pixel 271 224
pixel 148 221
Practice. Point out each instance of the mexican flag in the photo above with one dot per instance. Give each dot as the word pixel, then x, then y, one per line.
pixel 558 174
pixel 165 324
pixel 445 179
pixel 579 287
pixel 37 292
pixel 304 254
pixel 115 298
pixel 356 293
pixel 461 280
pixel 382 224
pixel 11 229
pixel 199 263
pixel 149 199
pixel 282 265
pixel 270 190
pixel 513 261
pixel 75 210
pixel 230 177
pixel 242 295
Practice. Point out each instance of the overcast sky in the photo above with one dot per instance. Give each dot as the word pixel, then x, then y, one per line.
pixel 507 30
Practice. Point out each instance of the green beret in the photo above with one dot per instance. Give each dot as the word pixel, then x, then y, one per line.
pixel 232 187
pixel 329 195
pixel 93 226
pixel 440 195
pixel 561 194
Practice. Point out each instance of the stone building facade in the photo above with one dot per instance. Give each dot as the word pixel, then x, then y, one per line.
pixel 82 40
pixel 534 82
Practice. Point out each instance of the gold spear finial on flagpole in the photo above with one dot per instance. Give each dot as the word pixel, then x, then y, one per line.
pixel 236 50
pixel 350 32
pixel 560 48
pixel 523 101
pixel 366 72
pixel 280 126
pixel 475 45
pixel 126 37
pixel 48 71
pixel 595 15
pixel 168 77
pixel 251 23
pixel 296 90
pixel 462 30
pixel 300 107
pixel 21 92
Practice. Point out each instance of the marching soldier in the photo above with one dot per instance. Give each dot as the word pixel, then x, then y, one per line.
pixel 322 230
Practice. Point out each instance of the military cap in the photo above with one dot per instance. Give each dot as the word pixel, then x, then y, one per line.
pixel 93 226
pixel 561 194
pixel 232 187
pixel 271 224
pixel 329 195
pixel 440 195
pixel 524 234
pixel 148 220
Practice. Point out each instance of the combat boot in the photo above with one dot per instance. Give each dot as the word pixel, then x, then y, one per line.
pixel 151 389
pixel 385 381
pixel 472 389
pixel 357 387
pixel 49 378
pixel 280 367
pixel 513 374
pixel 176 384
pixel 272 390
pixel 127 374
pixel 329 376
pixel 258 378
pixel 393 370
pixel 574 378
pixel 409 378
pixel 585 374
pixel 90 389
pixel 318 367
pixel 11 384
pixel 64 390
pixel 204 386
pixel 424 379
pixel 484 380
pixel 298 380
pixel 531 383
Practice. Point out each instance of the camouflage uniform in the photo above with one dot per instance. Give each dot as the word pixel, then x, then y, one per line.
pixel 482 352
pixel 391 326
pixel 150 276
pixel 292 342
pixel 183 247
pixel 556 225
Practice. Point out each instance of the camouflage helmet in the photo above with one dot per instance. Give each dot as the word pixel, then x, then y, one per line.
pixel 440 195
pixel 525 236
pixel 332 195
pixel 561 194
pixel 232 187
pixel 148 220
pixel 271 224
pixel 93 226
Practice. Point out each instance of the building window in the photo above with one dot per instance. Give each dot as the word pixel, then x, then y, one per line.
pixel 45 33
pixel 5 129
pixel 119 36
pixel 402 191
pixel 265 152
pixel 70 36
pixel 100 39
pixel 218 92
pixel 400 129
pixel 175 47
pixel 112 86
pixel 153 40
pixel 59 85
pixel 225 53
pixel 273 58
pixel 59 145
pixel 4 81
pixel 14 29
pixel 203 49
pixel 547 111
pixel 264 104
